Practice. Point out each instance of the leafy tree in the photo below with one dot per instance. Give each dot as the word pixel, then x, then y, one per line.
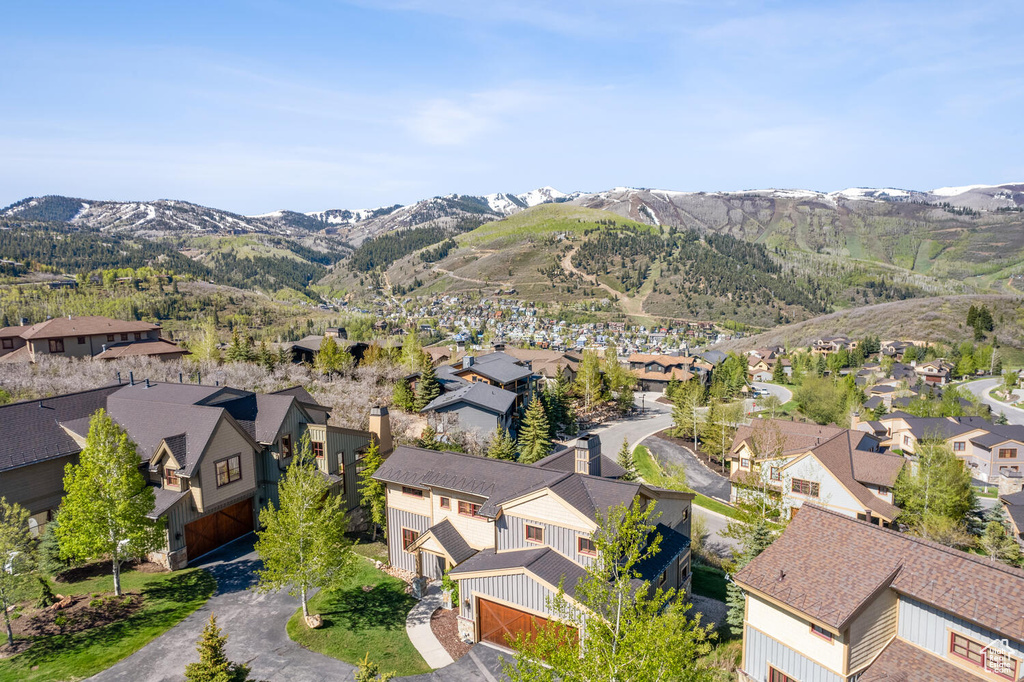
pixel 427 388
pixel 106 500
pixel 589 380
pixel 719 428
pixel 620 380
pixel 534 435
pixel 16 551
pixel 303 544
pixel 413 357
pixel 998 544
pixel 690 397
pixel 822 400
pixel 936 494
pixel 403 396
pixel 369 671
pixel 558 405
pixel 911 354
pixel 503 446
pixel 373 493
pixel 632 632
pixel 331 358
pixel 213 665
pixel 207 347
pixel 625 460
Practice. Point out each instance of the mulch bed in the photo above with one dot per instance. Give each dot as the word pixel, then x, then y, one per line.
pixel 713 463
pixel 98 568
pixel 76 613
pixel 445 626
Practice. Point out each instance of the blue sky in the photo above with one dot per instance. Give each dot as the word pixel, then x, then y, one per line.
pixel 258 105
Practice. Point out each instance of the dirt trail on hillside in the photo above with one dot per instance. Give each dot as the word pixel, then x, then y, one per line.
pixel 632 306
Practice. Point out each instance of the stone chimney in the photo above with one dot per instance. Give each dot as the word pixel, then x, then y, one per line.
pixel 588 455
pixel 1010 482
pixel 380 427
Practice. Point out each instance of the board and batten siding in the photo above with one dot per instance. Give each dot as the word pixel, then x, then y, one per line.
pixel 871 631
pixel 226 441
pixel 762 651
pixel 397 520
pixel 929 628
pixel 511 532
pixel 516 589
pixel 37 487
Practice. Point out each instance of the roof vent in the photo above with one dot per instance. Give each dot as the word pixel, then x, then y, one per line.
pixel 782 575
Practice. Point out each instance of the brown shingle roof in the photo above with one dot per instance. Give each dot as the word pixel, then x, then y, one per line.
pixel 826 566
pixel 839 455
pixel 676 373
pixel 797 437
pixel 147 347
pixel 904 662
pixel 84 326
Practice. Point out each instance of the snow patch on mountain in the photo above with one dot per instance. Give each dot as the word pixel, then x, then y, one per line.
pixel 542 195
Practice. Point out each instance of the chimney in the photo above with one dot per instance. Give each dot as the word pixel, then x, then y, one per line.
pixel 467 361
pixel 380 427
pixel 588 455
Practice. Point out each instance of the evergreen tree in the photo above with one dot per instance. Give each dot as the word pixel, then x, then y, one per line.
pixel 236 351
pixel 502 446
pixel 284 356
pixel 107 501
pixel 213 665
pixel 755 540
pixel 778 372
pixel 266 359
pixel 427 388
pixel 369 671
pixel 373 493
pixel 625 460
pixel 48 557
pixel 303 544
pixel 534 435
pixel 403 396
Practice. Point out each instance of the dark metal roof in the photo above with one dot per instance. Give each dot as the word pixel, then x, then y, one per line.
pixel 484 396
pixel 545 563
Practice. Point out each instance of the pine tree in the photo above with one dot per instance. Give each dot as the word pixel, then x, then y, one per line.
pixel 778 372
pixel 403 396
pixel 534 436
pixel 236 351
pixel 625 460
pixel 756 539
pixel 502 446
pixel 284 356
pixel 213 665
pixel 107 501
pixel 427 388
pixel 373 493
pixel 369 671
pixel 303 544
pixel 266 359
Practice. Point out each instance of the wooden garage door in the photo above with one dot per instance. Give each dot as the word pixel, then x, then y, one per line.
pixel 213 530
pixel 501 624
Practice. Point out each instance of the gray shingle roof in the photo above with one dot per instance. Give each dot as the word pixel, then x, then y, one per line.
pixel 31 431
pixel 1014 504
pixel 165 499
pixel 479 394
pixel 565 460
pixel 593 496
pixel 498 367
pixel 545 563
pixel 452 541
pixel 673 543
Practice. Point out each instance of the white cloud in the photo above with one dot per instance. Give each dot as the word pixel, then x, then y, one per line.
pixel 451 122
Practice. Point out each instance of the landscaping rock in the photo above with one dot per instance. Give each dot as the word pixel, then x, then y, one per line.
pixel 314 621
pixel 64 603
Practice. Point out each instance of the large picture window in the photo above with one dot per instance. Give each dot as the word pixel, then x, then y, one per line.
pixel 56 345
pixel 228 470
pixel 808 488
pixel 469 509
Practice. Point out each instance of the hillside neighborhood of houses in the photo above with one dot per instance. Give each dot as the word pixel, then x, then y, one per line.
pixel 845 592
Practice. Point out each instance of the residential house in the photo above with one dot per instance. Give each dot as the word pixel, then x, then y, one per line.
pixel 827 345
pixel 82 337
pixel 653 372
pixel 763 368
pixel 476 408
pixel 839 600
pixel 306 349
pixel 935 372
pixel 214 454
pixel 510 534
pixel 1013 505
pixel 841 469
pixel 896 349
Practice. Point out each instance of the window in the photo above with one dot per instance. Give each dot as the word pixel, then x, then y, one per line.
pixel 138 336
pixel 415 492
pixel 446 503
pixel 1007 453
pixel 822 632
pixel 775 676
pixel 663 577
pixel 286 447
pixel 808 488
pixel 318 449
pixel 8 343
pixel 170 478
pixel 686 513
pixel 967 649
pixel 469 509
pixel 745 462
pixel 56 345
pixel 228 470
pixel 586 546
pixel 775 473
pixel 1001 664
pixel 409 537
pixel 534 533
pixel 906 440
pixel 110 338
pixel 684 571
pixel 959 446
pixel 81 340
pixel 124 337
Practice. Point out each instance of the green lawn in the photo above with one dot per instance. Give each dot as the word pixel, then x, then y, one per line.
pixel 651 471
pixel 357 622
pixel 709 581
pixel 169 597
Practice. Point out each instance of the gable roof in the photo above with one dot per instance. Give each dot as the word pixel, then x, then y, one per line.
pixel 827 566
pixel 83 326
pixel 496 366
pixel 542 562
pixel 144 347
pixel 842 458
pixel 797 437
pixel 30 431
pixel 449 538
pixel 565 460
pixel 903 662
pixel 479 394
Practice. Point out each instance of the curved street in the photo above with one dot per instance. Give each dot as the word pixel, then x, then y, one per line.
pixel 981 388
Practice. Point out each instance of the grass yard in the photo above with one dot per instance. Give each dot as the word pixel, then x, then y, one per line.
pixel 709 581
pixel 167 599
pixel 651 471
pixel 357 622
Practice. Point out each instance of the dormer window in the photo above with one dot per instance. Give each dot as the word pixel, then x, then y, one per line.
pixel 535 534
pixel 318 449
pixel 171 479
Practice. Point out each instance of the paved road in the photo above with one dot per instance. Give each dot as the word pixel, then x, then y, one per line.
pixel 698 476
pixel 981 388
pixel 655 417
pixel 255 625
pixel 781 392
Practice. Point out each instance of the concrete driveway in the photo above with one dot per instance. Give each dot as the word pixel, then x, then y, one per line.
pixel 255 625
pixel 698 476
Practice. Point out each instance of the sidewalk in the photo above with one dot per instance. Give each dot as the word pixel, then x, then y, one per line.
pixel 417 625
